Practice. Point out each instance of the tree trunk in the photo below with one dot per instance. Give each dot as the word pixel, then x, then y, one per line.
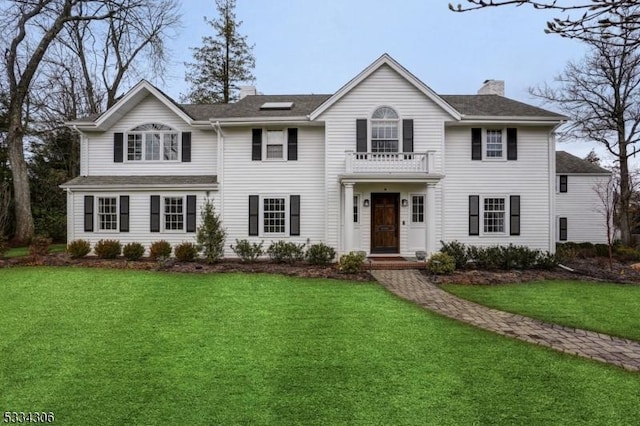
pixel 22 195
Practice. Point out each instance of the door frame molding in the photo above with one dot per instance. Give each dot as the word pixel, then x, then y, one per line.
pixel 396 198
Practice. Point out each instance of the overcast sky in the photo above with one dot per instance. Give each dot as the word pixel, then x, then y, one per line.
pixel 304 46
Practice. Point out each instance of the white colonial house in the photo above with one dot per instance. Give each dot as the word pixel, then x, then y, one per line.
pixel 384 165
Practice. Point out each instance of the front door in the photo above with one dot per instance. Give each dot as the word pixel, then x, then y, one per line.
pixel 385 232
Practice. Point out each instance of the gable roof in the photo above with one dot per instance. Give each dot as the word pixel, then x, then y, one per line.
pixel 570 164
pixel 496 106
pixel 385 59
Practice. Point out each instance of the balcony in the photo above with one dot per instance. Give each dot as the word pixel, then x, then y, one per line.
pixel 389 162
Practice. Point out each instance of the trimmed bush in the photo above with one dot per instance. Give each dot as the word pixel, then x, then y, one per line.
pixel 351 263
pixel 458 251
pixel 39 246
pixel 566 251
pixel 509 257
pixel 286 252
pixel 160 250
pixel 320 254
pixel 586 250
pixel 133 251
pixel 108 249
pixel 626 254
pixel 602 250
pixel 546 260
pixel 78 248
pixel 441 264
pixel 247 251
pixel 211 235
pixel 186 252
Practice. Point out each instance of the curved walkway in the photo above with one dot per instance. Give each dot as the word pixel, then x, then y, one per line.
pixel 413 286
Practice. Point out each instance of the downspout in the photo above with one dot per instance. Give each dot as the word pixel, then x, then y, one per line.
pixel 220 166
pixel 552 191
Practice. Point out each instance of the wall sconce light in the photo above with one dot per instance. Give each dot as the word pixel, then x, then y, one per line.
pixel 365 202
pixel 405 202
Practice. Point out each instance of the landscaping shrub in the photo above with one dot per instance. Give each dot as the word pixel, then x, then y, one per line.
pixel 566 251
pixel 586 250
pixel 133 251
pixel 602 250
pixel 39 246
pixel 108 249
pixel 509 257
pixel 441 264
pixel 546 260
pixel 160 250
pixel 286 252
pixel 458 251
pixel 626 254
pixel 351 263
pixel 247 251
pixel 211 235
pixel 186 252
pixel 78 248
pixel 320 254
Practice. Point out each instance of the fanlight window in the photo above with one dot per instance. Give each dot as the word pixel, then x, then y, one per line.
pixel 152 142
pixel 384 130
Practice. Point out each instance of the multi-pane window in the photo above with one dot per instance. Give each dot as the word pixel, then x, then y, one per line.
pixel 494 215
pixel 384 130
pixel 356 200
pixel 275 145
pixel 494 144
pixel 152 142
pixel 274 215
pixel 417 209
pixel 173 214
pixel 108 213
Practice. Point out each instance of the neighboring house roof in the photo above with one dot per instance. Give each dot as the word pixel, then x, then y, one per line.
pixel 141 181
pixel 570 164
pixel 495 106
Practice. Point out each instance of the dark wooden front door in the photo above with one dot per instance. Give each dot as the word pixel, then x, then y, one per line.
pixel 385 232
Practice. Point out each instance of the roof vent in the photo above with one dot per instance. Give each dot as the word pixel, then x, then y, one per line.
pixel 492 87
pixel 276 105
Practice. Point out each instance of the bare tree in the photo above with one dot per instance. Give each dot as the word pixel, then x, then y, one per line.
pixel 607 194
pixel 590 18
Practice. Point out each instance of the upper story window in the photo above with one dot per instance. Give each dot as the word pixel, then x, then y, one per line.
pixel 384 130
pixel 152 142
pixel 275 145
pixel 494 144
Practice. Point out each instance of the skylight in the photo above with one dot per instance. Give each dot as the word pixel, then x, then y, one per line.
pixel 277 105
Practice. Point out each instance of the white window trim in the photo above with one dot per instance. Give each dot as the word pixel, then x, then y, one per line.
pixel 287 214
pixel 163 224
pixel 484 144
pixel 370 128
pixel 144 142
pixel 285 144
pixel 97 214
pixel 424 208
pixel 507 215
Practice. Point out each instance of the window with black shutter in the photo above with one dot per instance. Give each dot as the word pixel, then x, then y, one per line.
pixel 564 183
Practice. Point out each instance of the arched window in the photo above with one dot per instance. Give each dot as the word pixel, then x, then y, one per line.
pixel 384 130
pixel 152 142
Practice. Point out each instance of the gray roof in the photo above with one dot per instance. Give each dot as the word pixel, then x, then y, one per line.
pixel 495 106
pixel 568 163
pixel 141 181
pixel 249 107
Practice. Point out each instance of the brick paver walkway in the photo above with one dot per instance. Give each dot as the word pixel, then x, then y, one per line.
pixel 412 285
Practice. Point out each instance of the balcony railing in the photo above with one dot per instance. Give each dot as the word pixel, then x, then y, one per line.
pixel 389 162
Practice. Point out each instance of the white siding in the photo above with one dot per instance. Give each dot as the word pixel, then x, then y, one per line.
pixel 244 177
pixel 98 160
pixel 528 177
pixel 583 209
pixel 384 87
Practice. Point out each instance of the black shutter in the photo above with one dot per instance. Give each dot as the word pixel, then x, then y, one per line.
pixel 407 135
pixel 256 145
pixel 186 147
pixel 564 183
pixel 155 213
pixel 294 215
pixel 88 213
pixel 476 144
pixel 118 147
pixel 563 229
pixel 361 135
pixel 474 215
pixel 514 213
pixel 292 145
pixel 124 213
pixel 512 144
pixel 253 214
pixel 191 213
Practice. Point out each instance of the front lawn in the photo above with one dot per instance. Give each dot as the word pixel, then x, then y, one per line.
pixel 24 250
pixel 131 347
pixel 605 308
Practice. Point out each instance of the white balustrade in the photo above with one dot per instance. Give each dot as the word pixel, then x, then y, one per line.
pixel 389 162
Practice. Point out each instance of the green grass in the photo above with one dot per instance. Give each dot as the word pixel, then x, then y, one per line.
pixel 133 347
pixel 605 308
pixel 24 251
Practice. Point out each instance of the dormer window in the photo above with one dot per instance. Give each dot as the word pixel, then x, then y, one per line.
pixel 152 142
pixel 384 130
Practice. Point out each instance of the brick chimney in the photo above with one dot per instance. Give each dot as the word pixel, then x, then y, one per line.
pixel 247 91
pixel 492 87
